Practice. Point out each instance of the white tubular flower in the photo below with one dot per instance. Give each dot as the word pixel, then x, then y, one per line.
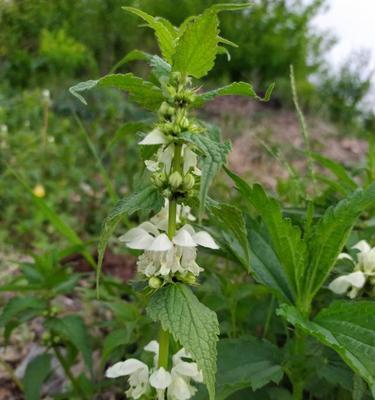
pixel 162 256
pixel 146 237
pixel 364 270
pixel 160 379
pixel 156 136
pixel 183 372
pixel 162 160
pixel 187 237
pixel 366 258
pixel 153 347
pixel 354 281
pixel 138 373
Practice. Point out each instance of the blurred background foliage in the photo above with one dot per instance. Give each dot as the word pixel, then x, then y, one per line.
pixel 73 152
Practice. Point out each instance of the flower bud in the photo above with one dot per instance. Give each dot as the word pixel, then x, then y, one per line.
pixel 158 179
pixel 175 180
pixel 154 282
pixel 166 110
pixel 188 278
pixel 188 182
pixel 184 124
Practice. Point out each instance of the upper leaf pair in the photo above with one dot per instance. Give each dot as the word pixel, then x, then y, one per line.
pixel 192 48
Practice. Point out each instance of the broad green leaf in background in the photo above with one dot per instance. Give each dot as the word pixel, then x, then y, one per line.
pixel 196 49
pixel 359 388
pixel 191 323
pixel 163 31
pixel 36 373
pixel 348 328
pixel 329 236
pixel 286 238
pixel 246 362
pixel 344 182
pixel 214 157
pixel 20 305
pixel 232 227
pixel 142 92
pixel 264 263
pixel 73 329
pixel 115 339
pixel 233 89
pixel 147 199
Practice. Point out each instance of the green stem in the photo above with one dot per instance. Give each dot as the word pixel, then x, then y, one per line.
pixel 172 222
pixel 68 373
pixel 172 212
pixel 299 351
pixel 163 349
pixel 298 390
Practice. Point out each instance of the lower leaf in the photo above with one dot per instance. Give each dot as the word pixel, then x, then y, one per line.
pixel 191 323
pixel 348 328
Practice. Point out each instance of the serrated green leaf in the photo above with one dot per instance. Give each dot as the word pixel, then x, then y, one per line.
pixel 265 266
pixel 160 68
pixel 286 238
pixel 162 29
pixel 214 157
pixel 232 227
pixel 73 329
pixel 233 89
pixel 191 323
pixel 247 362
pixel 196 48
pixel 36 373
pixel 142 92
pixel 348 328
pixel 329 236
pixel 147 200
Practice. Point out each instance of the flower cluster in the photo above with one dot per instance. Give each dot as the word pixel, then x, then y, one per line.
pixel 364 271
pixel 145 381
pixel 165 257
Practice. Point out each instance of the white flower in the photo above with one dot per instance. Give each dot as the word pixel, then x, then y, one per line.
pixel 160 379
pixel 364 269
pixel 354 281
pixel 156 136
pixel 138 376
pixel 187 237
pixel 163 158
pixel 142 379
pixel 147 237
pixel 163 256
pixel 183 372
